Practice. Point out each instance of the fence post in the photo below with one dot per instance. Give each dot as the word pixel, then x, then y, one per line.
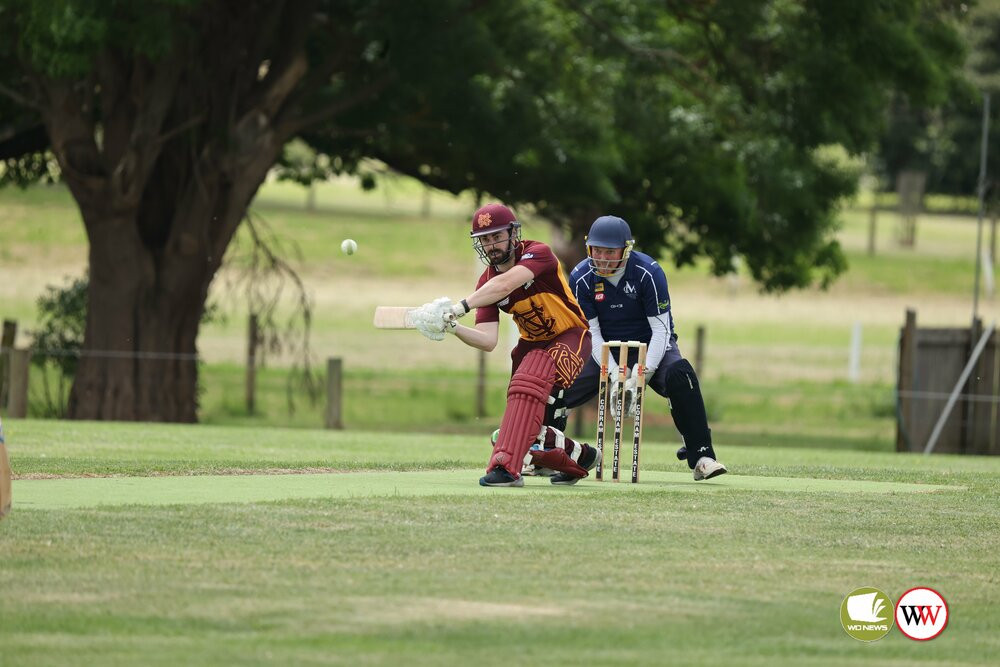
pixel 311 197
pixel 907 355
pixel 425 203
pixel 334 393
pixel 854 355
pixel 872 223
pixel 17 404
pixel 252 364
pixel 967 437
pixel 6 345
pixel 699 350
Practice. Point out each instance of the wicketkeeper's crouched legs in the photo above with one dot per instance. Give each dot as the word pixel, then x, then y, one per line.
pixel 527 396
pixel 679 383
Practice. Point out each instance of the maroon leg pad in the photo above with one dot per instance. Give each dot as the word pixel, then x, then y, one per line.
pixel 527 394
pixel 557 459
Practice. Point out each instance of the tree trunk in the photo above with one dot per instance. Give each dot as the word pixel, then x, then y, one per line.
pixel 150 274
pixel 140 360
pixel 163 157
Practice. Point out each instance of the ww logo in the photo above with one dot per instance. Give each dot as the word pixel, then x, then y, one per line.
pixel 921 613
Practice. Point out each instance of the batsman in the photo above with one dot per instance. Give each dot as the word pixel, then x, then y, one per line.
pixel 523 278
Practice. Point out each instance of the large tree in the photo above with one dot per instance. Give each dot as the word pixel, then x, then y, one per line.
pixel 701 122
pixel 165 117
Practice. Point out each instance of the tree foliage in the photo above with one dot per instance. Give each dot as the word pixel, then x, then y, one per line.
pixel 942 137
pixel 706 124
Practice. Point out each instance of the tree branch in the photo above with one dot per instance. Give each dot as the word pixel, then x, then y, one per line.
pixel 19 98
pixel 666 55
pixel 289 66
pixel 296 124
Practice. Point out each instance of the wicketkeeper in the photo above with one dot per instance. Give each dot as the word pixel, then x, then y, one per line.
pixel 624 295
pixel 523 278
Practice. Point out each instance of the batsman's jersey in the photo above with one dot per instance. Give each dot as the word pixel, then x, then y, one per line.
pixel 624 311
pixel 543 307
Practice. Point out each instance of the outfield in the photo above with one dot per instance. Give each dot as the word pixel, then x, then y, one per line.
pixel 261 539
pixel 183 545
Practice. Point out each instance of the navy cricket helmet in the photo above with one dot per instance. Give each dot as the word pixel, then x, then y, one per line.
pixel 609 231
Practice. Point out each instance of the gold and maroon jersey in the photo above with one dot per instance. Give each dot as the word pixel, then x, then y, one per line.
pixel 543 307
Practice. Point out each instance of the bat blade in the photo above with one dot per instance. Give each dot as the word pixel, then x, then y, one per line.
pixel 393 317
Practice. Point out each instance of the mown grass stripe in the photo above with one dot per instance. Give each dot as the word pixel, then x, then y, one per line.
pixel 92 492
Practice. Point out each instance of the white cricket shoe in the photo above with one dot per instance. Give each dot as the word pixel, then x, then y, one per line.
pixel 707 468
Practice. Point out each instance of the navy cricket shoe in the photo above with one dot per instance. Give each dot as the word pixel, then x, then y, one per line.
pixel 499 476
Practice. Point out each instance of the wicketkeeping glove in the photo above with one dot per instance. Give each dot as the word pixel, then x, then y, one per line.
pixel 630 384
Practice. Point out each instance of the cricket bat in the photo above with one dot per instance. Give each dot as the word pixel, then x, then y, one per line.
pixel 394 317
pixel 5 475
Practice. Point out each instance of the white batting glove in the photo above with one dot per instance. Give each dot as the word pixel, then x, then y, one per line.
pixel 429 319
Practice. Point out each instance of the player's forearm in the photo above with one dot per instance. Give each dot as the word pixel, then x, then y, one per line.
pixel 498 287
pixel 483 336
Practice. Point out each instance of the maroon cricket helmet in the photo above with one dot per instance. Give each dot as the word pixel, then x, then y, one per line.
pixel 492 218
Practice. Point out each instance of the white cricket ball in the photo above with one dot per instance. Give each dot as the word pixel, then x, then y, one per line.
pixel 348 246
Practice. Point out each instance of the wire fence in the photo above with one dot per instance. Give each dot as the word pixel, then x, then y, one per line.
pixel 795 395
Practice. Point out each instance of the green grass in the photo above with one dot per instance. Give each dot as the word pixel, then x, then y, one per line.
pixel 711 575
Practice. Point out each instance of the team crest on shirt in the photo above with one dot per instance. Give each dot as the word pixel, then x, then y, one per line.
pixel 534 322
pixel 629 289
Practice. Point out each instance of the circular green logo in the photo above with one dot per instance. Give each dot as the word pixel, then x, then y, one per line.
pixel 866 614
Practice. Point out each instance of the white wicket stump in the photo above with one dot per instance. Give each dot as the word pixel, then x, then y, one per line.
pixel 619 416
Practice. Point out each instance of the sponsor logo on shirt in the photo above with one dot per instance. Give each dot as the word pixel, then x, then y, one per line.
pixel 529 283
pixel 599 287
pixel 504 302
pixel 599 296
pixel 527 255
